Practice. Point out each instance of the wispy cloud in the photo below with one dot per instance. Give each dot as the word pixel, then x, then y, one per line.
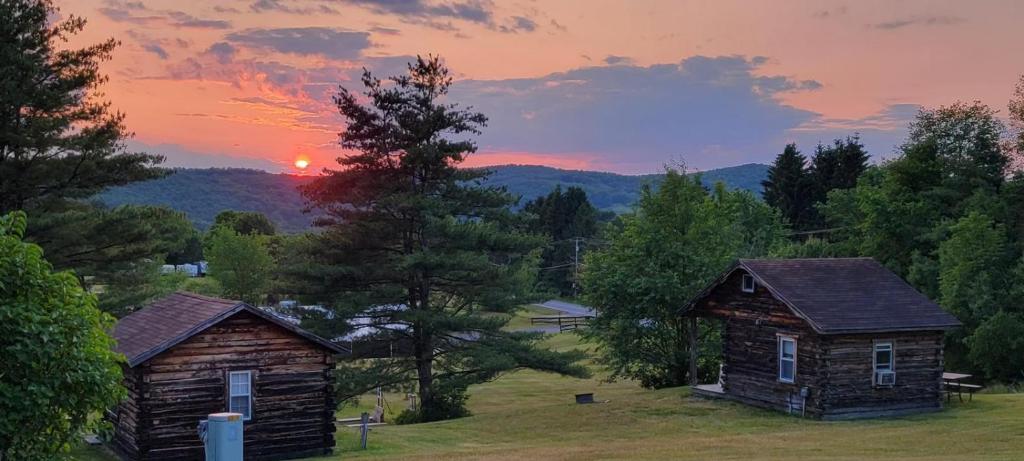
pixel 613 60
pixel 918 21
pixel 331 43
pixel 156 46
pixel 223 52
pixel 439 15
pixel 260 6
pixel 518 24
pixel 138 13
pixel 157 50
pixel 472 10
pixel 385 30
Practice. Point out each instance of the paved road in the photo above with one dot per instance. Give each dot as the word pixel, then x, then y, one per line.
pixel 565 308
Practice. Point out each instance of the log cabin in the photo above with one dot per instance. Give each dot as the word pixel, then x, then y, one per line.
pixel 836 338
pixel 190 355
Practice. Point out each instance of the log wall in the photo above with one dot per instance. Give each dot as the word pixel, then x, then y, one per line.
pixel 126 416
pixel 750 357
pixel 850 390
pixel 292 399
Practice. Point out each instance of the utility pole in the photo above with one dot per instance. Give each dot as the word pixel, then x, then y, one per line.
pixel 576 269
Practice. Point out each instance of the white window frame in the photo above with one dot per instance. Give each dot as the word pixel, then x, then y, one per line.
pixel 891 366
pixel 231 393
pixel 753 283
pixel 781 340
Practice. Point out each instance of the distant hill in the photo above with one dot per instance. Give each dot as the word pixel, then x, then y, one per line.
pixel 610 191
pixel 202 193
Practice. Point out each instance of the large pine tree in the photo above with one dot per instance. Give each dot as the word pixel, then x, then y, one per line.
pixel 417 246
pixel 789 188
pixel 61 143
pixel 58 139
pixel 835 166
pixel 838 165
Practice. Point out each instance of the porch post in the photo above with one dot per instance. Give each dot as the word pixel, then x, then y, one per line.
pixel 693 349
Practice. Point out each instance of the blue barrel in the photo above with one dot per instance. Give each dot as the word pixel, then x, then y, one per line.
pixel 223 440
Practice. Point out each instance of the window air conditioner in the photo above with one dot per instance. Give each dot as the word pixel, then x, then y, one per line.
pixel 885 378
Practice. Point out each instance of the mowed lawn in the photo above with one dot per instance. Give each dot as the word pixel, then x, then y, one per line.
pixel 532 416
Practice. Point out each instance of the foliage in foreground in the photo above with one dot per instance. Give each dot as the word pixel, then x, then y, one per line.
pixel 418 247
pixel 58 366
pixel 678 240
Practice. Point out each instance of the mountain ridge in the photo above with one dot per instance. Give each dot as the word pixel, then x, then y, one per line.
pixel 202 193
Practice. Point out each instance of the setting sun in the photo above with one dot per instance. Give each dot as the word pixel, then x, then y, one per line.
pixel 301 163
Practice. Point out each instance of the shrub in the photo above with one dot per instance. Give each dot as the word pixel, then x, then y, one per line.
pixel 58 366
pixel 997 347
pixel 449 403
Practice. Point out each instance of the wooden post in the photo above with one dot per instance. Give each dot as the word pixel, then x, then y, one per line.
pixel 693 350
pixel 364 429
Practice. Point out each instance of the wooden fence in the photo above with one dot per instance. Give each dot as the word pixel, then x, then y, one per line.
pixel 565 323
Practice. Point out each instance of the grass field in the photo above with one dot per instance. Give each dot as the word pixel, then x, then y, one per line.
pixel 532 416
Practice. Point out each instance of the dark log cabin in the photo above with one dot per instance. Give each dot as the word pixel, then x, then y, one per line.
pixel 190 355
pixel 833 338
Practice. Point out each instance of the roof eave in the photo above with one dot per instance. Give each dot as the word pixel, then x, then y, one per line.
pixel 849 331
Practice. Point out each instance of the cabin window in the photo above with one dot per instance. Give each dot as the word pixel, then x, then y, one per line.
pixel 240 394
pixel 787 359
pixel 883 363
pixel 748 283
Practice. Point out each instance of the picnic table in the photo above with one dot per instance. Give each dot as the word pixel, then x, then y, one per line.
pixel 954 382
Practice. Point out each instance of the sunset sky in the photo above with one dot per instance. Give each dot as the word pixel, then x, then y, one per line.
pixel 623 86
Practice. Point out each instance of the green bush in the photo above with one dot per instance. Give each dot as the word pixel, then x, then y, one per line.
pixel 449 403
pixel 207 286
pixel 58 366
pixel 997 347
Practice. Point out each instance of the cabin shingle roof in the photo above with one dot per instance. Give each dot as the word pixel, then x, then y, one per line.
pixel 845 295
pixel 168 321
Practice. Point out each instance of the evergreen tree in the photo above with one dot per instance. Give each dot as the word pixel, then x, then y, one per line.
pixel 58 140
pixel 834 167
pixel 789 188
pixel 119 249
pixel 837 166
pixel 60 143
pixel 569 221
pixel 419 245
